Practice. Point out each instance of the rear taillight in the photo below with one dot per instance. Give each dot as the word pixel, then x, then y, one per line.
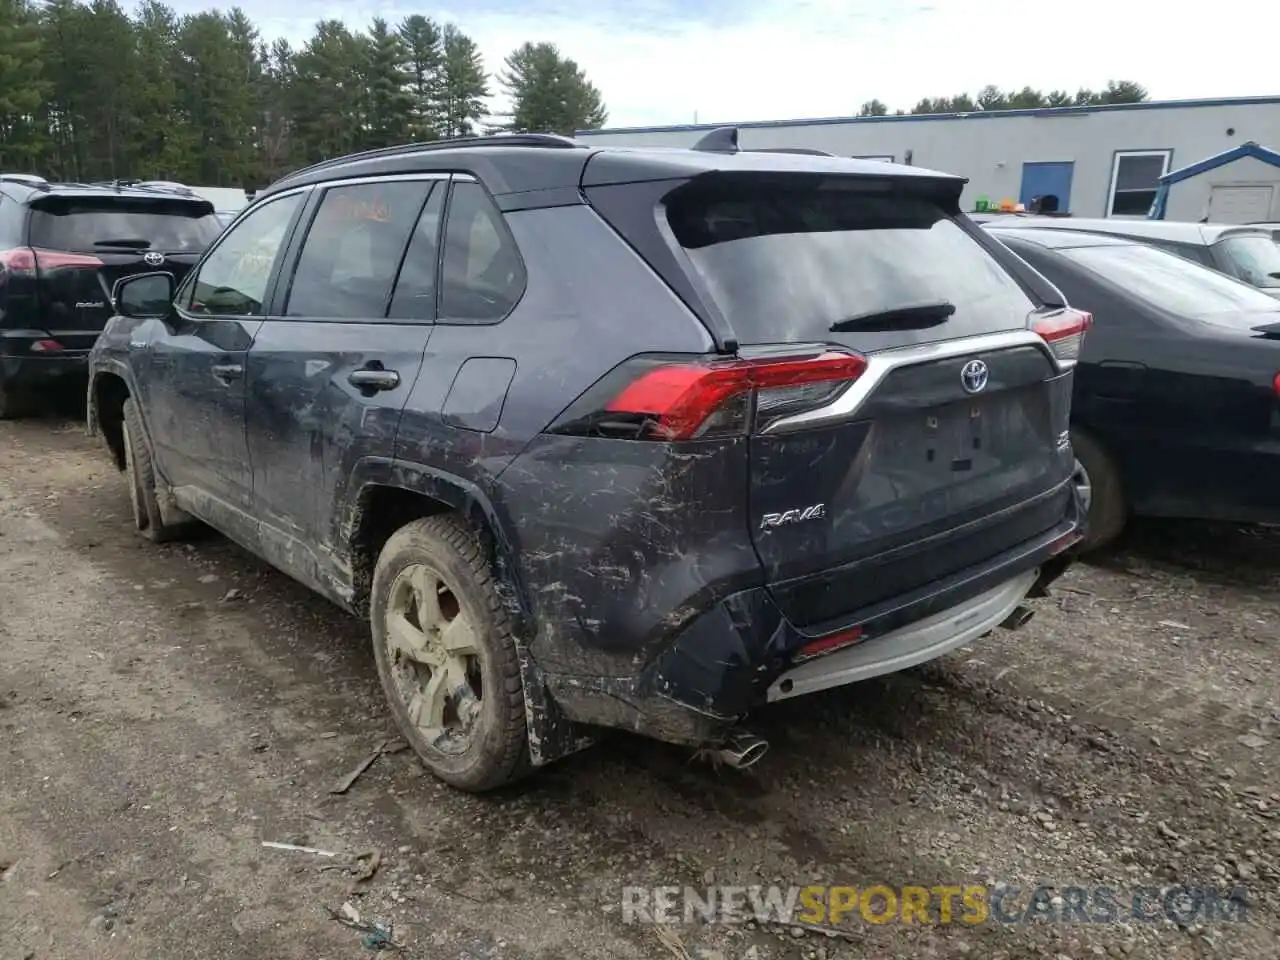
pixel 667 399
pixel 1275 384
pixel 46 346
pixel 1064 332
pixel 21 260
pixel 26 260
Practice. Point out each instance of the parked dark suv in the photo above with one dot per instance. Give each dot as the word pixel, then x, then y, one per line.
pixel 609 437
pixel 62 246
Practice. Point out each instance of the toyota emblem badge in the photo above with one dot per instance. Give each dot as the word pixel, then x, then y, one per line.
pixel 153 259
pixel 974 376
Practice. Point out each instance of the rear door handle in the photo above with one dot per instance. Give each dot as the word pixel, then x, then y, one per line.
pixel 228 371
pixel 374 379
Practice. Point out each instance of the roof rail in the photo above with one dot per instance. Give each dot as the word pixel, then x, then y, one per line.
pixel 719 140
pixel 493 140
pixel 805 151
pixel 30 179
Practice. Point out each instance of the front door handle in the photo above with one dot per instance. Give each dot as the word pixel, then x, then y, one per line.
pixel 228 371
pixel 374 379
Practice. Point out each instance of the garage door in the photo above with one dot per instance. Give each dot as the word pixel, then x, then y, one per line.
pixel 1240 204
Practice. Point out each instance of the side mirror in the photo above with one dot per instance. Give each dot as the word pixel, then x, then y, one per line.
pixel 144 295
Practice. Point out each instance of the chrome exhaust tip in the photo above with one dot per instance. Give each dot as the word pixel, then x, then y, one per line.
pixel 742 750
pixel 1020 617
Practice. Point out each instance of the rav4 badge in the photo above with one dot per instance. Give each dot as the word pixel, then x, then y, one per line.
pixel 815 512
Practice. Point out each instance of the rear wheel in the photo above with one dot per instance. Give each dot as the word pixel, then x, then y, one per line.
pixel 140 474
pixel 445 655
pixel 1098 480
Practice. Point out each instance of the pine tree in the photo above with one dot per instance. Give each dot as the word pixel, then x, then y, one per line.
pixel 465 84
pixel 22 87
pixel 550 93
pixel 391 101
pixel 424 63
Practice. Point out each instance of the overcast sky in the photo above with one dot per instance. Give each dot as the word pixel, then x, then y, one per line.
pixel 662 61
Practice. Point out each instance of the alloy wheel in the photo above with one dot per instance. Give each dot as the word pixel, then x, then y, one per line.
pixel 435 659
pixel 1080 477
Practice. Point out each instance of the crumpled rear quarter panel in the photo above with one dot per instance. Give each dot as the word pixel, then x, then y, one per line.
pixel 621 544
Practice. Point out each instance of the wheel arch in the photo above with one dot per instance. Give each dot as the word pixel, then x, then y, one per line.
pixel 110 385
pixel 398 492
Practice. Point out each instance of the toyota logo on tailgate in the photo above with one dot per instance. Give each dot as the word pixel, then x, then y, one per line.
pixel 974 376
pixel 153 259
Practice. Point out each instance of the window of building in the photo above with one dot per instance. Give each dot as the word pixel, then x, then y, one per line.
pixel 353 250
pixel 482 276
pixel 1135 177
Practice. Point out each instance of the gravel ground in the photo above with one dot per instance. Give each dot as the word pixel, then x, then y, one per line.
pixel 164 710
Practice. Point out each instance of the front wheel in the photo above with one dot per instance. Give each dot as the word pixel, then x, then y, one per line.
pixel 140 473
pixel 446 657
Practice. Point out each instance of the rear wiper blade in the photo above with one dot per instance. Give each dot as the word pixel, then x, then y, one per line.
pixel 123 242
pixel 916 316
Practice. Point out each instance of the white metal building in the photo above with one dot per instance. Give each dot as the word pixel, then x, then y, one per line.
pixel 1240 185
pixel 225 199
pixel 1098 161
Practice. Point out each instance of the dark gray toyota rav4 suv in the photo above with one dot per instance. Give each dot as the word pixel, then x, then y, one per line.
pixel 636 438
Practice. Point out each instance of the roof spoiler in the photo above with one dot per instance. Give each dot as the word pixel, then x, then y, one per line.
pixel 725 140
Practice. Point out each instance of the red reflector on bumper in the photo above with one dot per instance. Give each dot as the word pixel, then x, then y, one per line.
pixel 832 641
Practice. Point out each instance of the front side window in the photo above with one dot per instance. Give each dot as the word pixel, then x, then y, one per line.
pixel 1253 258
pixel 1175 284
pixel 353 250
pixel 482 276
pixel 1135 178
pixel 232 280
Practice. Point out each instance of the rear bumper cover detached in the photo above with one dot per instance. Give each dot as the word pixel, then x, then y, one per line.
pixel 738 655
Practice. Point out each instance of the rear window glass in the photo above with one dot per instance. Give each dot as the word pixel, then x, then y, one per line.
pixel 1254 259
pixel 784 265
pixel 95 225
pixel 1175 284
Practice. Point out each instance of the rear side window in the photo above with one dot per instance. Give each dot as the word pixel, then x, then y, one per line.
pixel 1175 284
pixel 94 224
pixel 415 293
pixel 353 250
pixel 1254 259
pixel 783 265
pixel 482 276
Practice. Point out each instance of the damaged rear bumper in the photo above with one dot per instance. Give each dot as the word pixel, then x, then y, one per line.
pixel 739 654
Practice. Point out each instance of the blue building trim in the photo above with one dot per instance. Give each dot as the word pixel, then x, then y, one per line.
pixel 977 114
pixel 1247 149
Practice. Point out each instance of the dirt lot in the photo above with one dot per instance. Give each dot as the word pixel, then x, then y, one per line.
pixel 164 710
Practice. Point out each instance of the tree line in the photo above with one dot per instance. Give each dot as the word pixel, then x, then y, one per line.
pixel 993 98
pixel 91 92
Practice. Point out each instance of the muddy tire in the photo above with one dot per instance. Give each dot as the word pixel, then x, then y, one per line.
pixel 1108 509
pixel 446 657
pixel 141 477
